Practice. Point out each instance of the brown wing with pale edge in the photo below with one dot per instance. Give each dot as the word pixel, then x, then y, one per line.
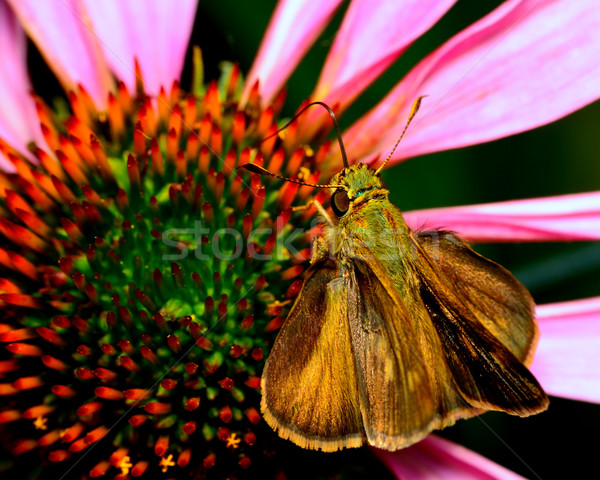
pixel 485 370
pixel 491 293
pixel 404 386
pixel 309 385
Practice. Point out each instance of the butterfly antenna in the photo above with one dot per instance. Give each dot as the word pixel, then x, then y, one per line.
pixel 251 167
pixel 338 132
pixel 413 112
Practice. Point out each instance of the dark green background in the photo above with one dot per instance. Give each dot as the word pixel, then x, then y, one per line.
pixel 556 159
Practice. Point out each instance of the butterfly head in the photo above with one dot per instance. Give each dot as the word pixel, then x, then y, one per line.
pixel 357 184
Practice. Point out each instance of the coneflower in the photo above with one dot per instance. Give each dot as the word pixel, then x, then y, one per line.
pixel 143 276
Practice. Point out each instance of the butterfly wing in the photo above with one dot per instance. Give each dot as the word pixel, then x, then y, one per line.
pixel 309 385
pixel 492 294
pixel 423 360
pixel 485 322
pixel 397 353
pixel 486 373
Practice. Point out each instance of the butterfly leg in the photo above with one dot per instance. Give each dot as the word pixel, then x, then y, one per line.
pixel 318 206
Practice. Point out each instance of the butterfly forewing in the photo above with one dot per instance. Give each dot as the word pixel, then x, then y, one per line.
pixel 486 372
pixel 490 292
pixel 310 389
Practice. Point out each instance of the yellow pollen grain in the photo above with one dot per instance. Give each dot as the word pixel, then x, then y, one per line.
pixel 166 462
pixel 125 464
pixel 233 441
pixel 40 423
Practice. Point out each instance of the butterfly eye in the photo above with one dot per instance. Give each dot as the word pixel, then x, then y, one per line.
pixel 340 203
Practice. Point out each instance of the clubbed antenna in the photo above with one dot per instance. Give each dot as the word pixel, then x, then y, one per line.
pixel 413 112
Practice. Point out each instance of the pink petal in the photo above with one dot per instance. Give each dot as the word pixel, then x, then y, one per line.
pixel 559 218
pixel 437 458
pixel 62 33
pixel 292 30
pixel 526 64
pixel 567 360
pixel 155 32
pixel 19 123
pixel 370 38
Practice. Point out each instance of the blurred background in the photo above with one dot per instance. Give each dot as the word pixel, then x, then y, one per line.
pixel 556 159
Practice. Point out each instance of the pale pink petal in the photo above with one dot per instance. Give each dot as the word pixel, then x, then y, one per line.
pixel 528 63
pixel 370 38
pixel 294 27
pixel 438 459
pixel 551 219
pixel 19 123
pixel 567 360
pixel 156 32
pixel 62 33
